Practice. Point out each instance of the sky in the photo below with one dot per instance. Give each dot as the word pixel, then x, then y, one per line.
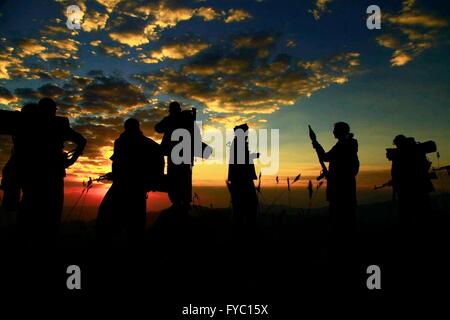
pixel 272 64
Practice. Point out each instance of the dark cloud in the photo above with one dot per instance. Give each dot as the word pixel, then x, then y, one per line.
pixel 27 94
pixel 6 96
pixel 411 31
pixel 236 79
pixel 175 48
pixel 112 94
pixel 109 49
pixel 51 90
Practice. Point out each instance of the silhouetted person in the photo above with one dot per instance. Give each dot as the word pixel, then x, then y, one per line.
pixel 410 178
pixel 10 185
pixel 341 179
pixel 41 162
pixel 10 177
pixel 137 165
pixel 341 195
pixel 179 174
pixel 241 174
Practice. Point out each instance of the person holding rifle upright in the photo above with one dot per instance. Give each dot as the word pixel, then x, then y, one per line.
pixel 341 179
pixel 137 165
pixel 241 174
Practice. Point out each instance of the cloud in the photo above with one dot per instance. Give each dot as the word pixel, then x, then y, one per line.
pixel 59 73
pixel 50 90
pixel 110 50
pixel 175 50
pixel 231 65
pixel 417 19
pixel 139 23
pixel 400 58
pixel 235 81
pixel 20 59
pixel 6 97
pixel 131 31
pixel 43 48
pixel 388 41
pixel 166 17
pixel 13 56
pixel 57 28
pixel 264 42
pixel 411 31
pixel 237 15
pixel 27 94
pixel 48 51
pixel 130 38
pixel 321 7
pixel 94 94
pixel 29 47
pixel 8 62
pixel 291 43
pixel 94 21
pixel 230 121
pixel 208 14
pixel 136 23
pixel 61 48
pixel 109 4
pixel 110 94
pixel 260 40
pixel 100 132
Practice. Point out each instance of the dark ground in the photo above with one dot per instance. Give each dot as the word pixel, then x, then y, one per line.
pixel 288 262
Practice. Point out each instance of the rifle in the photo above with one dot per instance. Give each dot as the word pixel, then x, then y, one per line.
pixel 324 172
pixel 384 185
pixel 159 184
pixel 447 168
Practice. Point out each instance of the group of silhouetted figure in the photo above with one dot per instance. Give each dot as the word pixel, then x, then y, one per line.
pixel 36 168
pixel 33 184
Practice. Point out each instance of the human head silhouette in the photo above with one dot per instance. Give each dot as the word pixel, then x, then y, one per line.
pixel 243 127
pixel 48 106
pixel 132 125
pixel 174 108
pixel 241 131
pixel 399 140
pixel 342 130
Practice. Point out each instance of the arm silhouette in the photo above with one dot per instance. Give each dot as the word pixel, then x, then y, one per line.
pixel 79 140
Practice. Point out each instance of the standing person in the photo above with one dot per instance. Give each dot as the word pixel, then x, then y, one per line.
pixel 179 174
pixel 137 165
pixel 41 163
pixel 241 174
pixel 411 181
pixel 341 179
pixel 341 195
pixel 10 177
